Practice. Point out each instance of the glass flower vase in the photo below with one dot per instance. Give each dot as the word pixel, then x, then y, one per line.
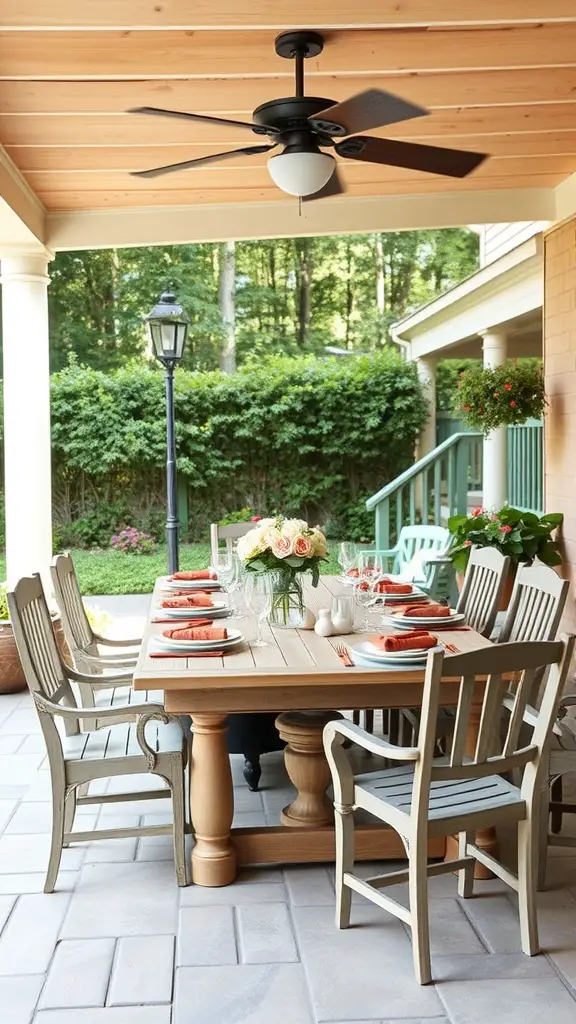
pixel 288 609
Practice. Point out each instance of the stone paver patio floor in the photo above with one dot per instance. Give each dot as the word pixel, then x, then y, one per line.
pixel 119 943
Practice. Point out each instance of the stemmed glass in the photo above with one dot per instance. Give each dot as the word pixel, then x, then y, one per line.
pixel 347 556
pixel 370 572
pixel 228 569
pixel 258 594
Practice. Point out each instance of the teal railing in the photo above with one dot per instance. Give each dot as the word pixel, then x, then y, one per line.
pixel 526 466
pixel 439 484
pixel 433 488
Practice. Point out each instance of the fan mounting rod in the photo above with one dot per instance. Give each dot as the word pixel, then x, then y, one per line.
pixel 297 46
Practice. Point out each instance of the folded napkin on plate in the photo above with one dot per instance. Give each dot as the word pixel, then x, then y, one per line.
pixel 428 611
pixel 409 641
pixel 196 633
pixel 194 574
pixel 199 600
pixel 386 587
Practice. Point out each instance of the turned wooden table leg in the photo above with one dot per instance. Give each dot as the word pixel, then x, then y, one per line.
pixel 307 767
pixel 211 803
pixel 485 838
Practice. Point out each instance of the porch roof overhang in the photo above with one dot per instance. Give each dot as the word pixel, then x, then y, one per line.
pixel 498 77
pixel 505 295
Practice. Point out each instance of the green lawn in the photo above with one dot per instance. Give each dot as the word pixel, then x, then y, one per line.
pixel 110 572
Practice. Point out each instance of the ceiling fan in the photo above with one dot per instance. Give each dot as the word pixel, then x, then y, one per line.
pixel 306 125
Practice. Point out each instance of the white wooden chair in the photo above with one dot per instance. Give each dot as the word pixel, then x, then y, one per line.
pixel 228 534
pixel 536 605
pixel 104 690
pixel 424 797
pixel 535 612
pixel 479 601
pixel 147 740
pixel 420 557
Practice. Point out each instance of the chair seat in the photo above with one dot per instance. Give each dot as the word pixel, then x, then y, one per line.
pixel 122 696
pixel 120 741
pixel 449 799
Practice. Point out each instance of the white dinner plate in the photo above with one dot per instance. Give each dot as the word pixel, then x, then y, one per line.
pixel 368 650
pixel 234 637
pixel 396 666
pixel 216 610
pixel 415 596
pixel 190 584
pixel 422 622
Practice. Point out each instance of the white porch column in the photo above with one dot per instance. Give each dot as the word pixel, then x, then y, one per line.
pixel 427 373
pixel 24 278
pixel 495 489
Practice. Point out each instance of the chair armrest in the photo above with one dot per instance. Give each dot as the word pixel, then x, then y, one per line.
pixel 160 715
pixel 109 660
pixel 133 710
pixel 109 642
pixel 363 739
pixel 101 680
pixel 437 559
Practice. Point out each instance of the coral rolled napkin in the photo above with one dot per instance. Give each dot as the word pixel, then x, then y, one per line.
pixel 415 640
pixel 194 574
pixel 385 587
pixel 199 600
pixel 196 633
pixel 428 611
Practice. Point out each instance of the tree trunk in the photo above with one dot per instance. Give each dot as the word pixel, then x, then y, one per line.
pixel 304 285
pixel 349 291
pixel 380 279
pixel 227 303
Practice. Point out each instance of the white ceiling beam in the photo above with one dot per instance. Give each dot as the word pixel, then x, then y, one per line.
pixel 184 224
pixel 22 215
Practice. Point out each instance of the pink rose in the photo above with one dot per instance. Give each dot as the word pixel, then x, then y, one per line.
pixel 282 547
pixel 302 547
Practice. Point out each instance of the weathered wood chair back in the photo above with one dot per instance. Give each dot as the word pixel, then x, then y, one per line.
pixel 43 667
pixel 77 626
pixel 536 606
pixel 482 588
pixel 228 534
pixel 497 749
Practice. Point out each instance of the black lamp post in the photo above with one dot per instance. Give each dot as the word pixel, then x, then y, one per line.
pixel 168 330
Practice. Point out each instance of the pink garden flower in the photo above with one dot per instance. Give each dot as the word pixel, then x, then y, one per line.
pixel 506 529
pixel 508 387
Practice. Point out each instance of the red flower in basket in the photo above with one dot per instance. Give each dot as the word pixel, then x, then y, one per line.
pixel 508 387
pixel 513 405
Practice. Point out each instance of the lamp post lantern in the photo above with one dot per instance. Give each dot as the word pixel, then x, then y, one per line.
pixel 168 329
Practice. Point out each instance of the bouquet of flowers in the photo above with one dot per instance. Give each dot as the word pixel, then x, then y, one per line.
pixel 496 396
pixel 283 545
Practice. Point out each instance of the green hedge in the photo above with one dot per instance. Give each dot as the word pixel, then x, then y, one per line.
pixel 305 436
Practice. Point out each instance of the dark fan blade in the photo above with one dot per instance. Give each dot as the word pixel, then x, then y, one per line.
pixel 371 109
pixel 454 163
pixel 333 187
pixel 155 172
pixel 257 128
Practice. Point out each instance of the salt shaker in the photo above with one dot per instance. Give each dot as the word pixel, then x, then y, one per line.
pixel 343 614
pixel 323 625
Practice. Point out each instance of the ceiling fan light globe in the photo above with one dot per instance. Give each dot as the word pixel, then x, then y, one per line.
pixel 301 174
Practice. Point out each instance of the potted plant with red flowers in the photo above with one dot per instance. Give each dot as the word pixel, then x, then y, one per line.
pixel 523 536
pixel 498 396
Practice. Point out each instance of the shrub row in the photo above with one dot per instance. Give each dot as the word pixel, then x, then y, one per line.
pixel 308 436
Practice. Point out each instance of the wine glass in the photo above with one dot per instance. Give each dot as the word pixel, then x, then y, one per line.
pixel 347 556
pixel 370 572
pixel 258 594
pixel 237 584
pixel 224 567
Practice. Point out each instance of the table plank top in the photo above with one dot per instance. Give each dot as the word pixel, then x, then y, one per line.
pixel 295 659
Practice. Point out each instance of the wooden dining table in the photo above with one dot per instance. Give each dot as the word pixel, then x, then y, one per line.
pixel 298 670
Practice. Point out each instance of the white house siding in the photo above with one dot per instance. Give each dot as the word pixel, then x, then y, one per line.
pixel 498 239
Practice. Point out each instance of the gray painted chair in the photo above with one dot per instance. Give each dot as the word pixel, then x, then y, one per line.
pixel 424 797
pixel 145 738
pixel 104 690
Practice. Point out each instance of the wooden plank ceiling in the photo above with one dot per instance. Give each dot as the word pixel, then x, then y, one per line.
pixel 498 76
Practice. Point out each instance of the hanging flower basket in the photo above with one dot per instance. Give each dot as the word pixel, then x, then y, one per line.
pixel 499 396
